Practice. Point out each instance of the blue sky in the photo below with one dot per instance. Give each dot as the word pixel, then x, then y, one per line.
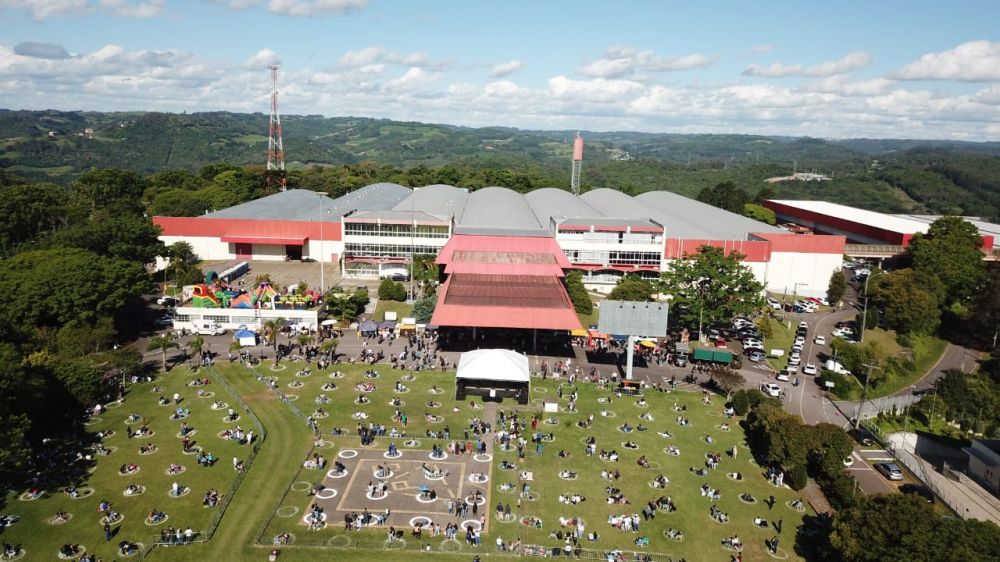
pixel 837 69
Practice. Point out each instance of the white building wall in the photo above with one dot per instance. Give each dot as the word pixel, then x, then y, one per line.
pixel 205 247
pixel 324 250
pixel 812 271
pixel 233 318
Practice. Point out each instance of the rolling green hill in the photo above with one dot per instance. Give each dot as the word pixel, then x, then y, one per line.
pixel 880 174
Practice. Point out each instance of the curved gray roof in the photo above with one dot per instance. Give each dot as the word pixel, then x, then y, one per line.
pixel 374 197
pixel 549 202
pixel 616 204
pixel 439 199
pixel 498 208
pixel 684 217
pixel 291 205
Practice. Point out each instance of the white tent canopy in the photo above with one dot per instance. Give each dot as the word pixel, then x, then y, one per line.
pixel 493 365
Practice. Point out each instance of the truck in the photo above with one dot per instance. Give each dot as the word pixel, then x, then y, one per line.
pixel 207 328
pixel 681 353
pixel 709 355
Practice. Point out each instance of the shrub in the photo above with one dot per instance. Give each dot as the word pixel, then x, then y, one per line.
pixel 838 488
pixel 797 476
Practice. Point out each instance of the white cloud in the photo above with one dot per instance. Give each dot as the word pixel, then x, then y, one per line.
pixel 775 70
pixel 763 48
pixel 686 62
pixel 41 9
pixel 237 5
pixel 975 61
pixel 115 78
pixel 622 60
pixel 123 8
pixel 305 8
pixel 414 78
pixel 845 86
pixel 41 50
pixel 378 57
pixel 843 65
pixel 262 59
pixel 506 68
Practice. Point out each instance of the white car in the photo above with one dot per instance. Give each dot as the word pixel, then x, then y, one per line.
pixel 819 340
pixel 804 324
pixel 167 301
pixel 782 376
pixel 792 369
pixel 842 332
pixel 849 461
pixel 771 389
pixel 795 358
pixel 774 303
pixel 800 340
pixel 809 369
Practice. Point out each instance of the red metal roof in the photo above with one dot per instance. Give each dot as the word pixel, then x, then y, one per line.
pixel 219 227
pixel 505 301
pixel 263 240
pixel 488 247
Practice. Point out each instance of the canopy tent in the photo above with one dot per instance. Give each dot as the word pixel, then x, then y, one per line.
pixel 494 374
pixel 368 326
pixel 246 338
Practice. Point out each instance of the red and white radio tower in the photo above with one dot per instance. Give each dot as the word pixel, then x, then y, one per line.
pixel 574 179
pixel 275 149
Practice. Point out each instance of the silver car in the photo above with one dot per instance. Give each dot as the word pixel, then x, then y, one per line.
pixel 890 470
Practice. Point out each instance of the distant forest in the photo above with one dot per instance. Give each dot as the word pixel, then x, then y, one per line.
pixel 186 152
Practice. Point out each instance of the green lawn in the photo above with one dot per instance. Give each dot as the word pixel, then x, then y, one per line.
pixel 692 516
pixel 781 338
pixel 401 309
pixel 248 524
pixel 41 540
pixel 920 358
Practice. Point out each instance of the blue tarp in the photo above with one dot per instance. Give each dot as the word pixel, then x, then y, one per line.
pixel 368 326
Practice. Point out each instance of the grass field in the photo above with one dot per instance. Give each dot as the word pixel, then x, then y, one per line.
pixel 268 486
pixel 41 540
pixel 401 309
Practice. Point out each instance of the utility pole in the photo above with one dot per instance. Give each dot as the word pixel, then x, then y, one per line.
pixel 864 392
pixel 864 315
pixel 795 290
pixel 322 243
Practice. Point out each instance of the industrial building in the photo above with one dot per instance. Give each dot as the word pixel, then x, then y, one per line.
pixel 865 227
pixel 373 232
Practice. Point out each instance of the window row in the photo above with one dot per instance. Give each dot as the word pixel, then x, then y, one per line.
pixel 371 229
pixel 387 250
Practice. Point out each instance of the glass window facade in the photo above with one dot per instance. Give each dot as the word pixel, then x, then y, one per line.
pixel 399 230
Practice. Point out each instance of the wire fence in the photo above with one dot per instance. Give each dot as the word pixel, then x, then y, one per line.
pixel 206 535
pixel 267 382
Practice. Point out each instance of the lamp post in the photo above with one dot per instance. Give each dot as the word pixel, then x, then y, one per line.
pixel 322 243
pixel 864 392
pixel 864 315
pixel 668 298
pixel 795 290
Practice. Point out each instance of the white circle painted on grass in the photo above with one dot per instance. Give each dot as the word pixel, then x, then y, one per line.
pixel 383 475
pixel 420 519
pixel 422 499
pixel 347 454
pixel 287 511
pixel 388 456
pixel 139 490
pixel 301 486
pixel 150 523
pixel 474 523
pixel 482 457
pixel 307 519
pixel 326 494
pixel 371 495
pixel 479 478
pixel 334 474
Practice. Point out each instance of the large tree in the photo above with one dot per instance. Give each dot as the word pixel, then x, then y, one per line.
pixel 578 293
pixel 909 305
pixel 27 210
pixel 712 287
pixel 66 287
pixel 904 527
pixel 631 288
pixel 835 291
pixel 725 196
pixel 951 252
pixel 99 188
pixel 127 237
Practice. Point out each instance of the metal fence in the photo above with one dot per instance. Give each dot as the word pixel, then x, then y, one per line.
pixel 874 406
pixel 234 486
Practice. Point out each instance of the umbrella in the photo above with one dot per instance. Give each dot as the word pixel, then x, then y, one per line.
pixel 647 343
pixel 328 322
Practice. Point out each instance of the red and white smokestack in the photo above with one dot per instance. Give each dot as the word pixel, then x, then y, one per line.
pixel 578 147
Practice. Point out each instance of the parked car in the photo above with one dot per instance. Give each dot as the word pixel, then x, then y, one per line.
pixel 863 437
pixel 169 302
pixel 756 355
pixel 771 389
pixel 774 303
pixel 804 324
pixel 917 489
pixel 782 376
pixel 809 369
pixel 890 470
pixel 819 340
pixel 849 461
pixel 165 320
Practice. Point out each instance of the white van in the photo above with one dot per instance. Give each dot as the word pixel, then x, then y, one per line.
pixel 208 328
